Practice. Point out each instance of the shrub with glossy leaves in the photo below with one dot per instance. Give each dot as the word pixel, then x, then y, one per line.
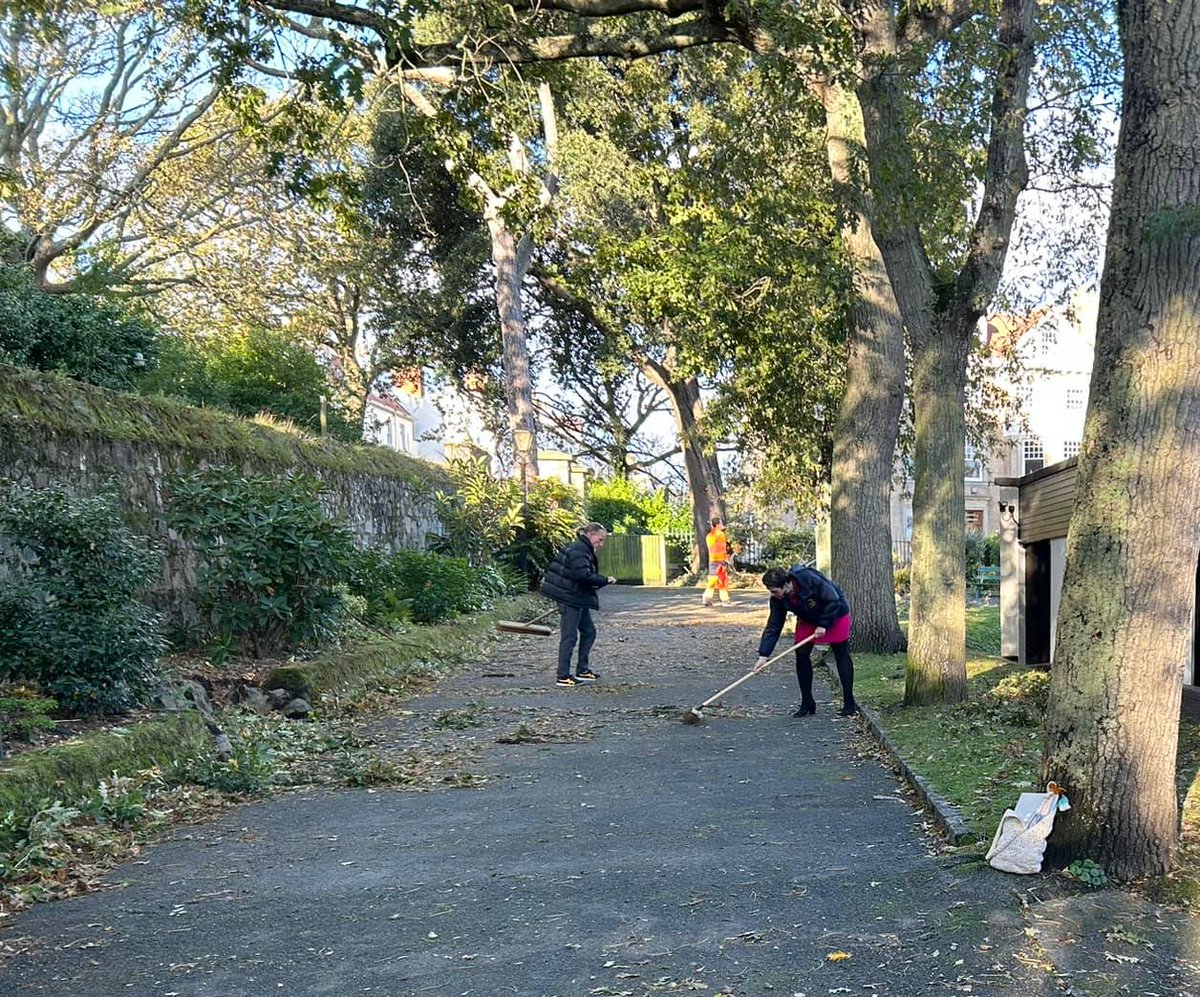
pixel 271 558
pixel 71 616
pixel 492 522
pixel 423 586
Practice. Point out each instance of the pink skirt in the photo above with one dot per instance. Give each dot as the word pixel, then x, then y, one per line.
pixel 838 632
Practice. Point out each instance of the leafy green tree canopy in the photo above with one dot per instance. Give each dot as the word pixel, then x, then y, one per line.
pixel 81 335
pixel 249 371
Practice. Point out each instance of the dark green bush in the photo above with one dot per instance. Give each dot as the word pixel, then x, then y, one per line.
pixel 71 618
pixel 425 587
pixel 786 548
pixel 79 335
pixel 272 559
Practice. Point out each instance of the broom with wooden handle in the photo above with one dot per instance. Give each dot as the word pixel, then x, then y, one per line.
pixel 529 626
pixel 695 714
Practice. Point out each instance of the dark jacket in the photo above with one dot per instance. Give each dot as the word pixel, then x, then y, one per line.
pixel 573 576
pixel 814 599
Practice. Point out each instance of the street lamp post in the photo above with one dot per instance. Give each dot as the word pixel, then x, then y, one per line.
pixel 523 439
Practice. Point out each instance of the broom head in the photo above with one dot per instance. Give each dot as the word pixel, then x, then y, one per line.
pixel 512 627
pixel 693 716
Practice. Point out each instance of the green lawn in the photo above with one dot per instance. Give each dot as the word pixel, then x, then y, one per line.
pixel 982 754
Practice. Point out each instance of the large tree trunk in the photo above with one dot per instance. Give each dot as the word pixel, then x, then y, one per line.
pixel 511 262
pixel 937 640
pixel 699 455
pixel 1124 623
pixel 864 441
pixel 941 320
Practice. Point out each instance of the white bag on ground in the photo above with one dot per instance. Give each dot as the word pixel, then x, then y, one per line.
pixel 1020 841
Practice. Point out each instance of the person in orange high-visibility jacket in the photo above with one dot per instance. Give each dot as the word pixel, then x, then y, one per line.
pixel 718 563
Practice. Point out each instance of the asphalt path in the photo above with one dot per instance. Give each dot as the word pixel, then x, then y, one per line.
pixel 602 848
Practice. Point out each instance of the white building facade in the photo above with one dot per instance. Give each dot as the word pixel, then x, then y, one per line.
pixel 1053 352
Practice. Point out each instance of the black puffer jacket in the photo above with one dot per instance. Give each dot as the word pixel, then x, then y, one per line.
pixel 573 576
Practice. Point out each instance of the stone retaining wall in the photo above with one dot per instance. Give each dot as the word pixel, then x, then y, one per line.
pixel 94 440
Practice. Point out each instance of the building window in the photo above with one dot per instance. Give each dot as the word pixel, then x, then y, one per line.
pixel 401 437
pixel 1070 448
pixel 974 520
pixel 974 465
pixel 1075 399
pixel 388 440
pixel 1033 456
pixel 1048 340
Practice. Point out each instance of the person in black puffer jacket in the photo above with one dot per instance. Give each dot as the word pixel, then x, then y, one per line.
pixel 572 580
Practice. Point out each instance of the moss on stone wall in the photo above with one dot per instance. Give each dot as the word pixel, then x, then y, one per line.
pixel 32 400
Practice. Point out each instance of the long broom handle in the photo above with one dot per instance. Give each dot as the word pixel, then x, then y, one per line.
pixel 754 671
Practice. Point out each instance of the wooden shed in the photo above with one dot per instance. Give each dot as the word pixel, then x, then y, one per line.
pixel 1035 512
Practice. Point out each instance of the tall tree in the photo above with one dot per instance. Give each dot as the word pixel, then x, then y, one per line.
pixel 881 51
pixel 1125 621
pixel 705 254
pixel 487 152
pixel 941 311
pixel 98 100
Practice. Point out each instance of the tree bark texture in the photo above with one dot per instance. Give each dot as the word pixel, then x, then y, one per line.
pixel 941 321
pixel 937 643
pixel 864 439
pixel 699 455
pixel 510 260
pixel 1124 623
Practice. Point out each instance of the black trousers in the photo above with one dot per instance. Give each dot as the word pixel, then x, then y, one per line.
pixel 845 670
pixel 574 622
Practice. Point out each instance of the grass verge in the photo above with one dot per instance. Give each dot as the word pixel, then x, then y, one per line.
pixel 980 755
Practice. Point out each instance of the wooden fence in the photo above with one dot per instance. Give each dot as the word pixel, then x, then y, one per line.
pixel 635 560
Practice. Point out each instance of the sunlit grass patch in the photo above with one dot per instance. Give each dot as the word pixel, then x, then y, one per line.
pixel 979 755
pixel 982 754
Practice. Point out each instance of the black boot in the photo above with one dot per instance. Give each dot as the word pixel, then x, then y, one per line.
pixel 806 709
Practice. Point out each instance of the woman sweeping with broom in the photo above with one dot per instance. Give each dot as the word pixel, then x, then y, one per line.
pixel 823 614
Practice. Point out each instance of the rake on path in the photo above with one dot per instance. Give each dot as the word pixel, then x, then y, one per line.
pixel 696 715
